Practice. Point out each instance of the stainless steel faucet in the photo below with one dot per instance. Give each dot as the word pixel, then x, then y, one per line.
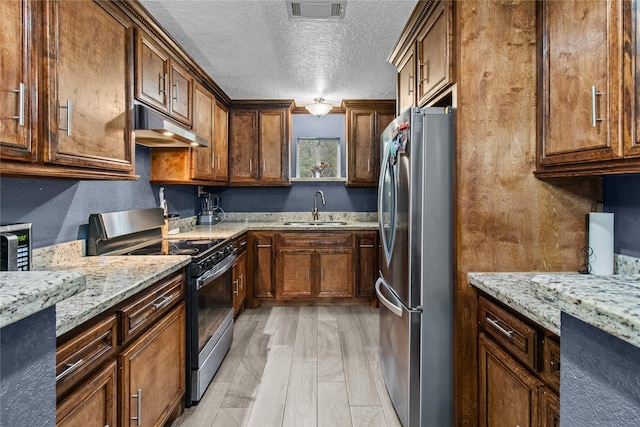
pixel 314 212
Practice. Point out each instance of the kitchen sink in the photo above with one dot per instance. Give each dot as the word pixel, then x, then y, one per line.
pixel 315 223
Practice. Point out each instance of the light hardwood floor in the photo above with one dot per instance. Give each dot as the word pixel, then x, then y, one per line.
pixel 298 367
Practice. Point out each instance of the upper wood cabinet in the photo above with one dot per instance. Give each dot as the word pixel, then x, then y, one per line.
pixel 631 78
pixel 586 80
pixel 161 82
pixel 424 55
pixel 77 121
pixel 259 144
pixel 435 68
pixel 88 86
pixel 197 165
pixel 202 158
pixel 18 92
pixel 365 121
pixel 406 91
pixel 220 150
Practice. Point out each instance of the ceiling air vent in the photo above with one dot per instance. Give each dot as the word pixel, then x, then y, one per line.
pixel 316 9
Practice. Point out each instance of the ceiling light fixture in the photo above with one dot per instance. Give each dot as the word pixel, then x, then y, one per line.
pixel 319 107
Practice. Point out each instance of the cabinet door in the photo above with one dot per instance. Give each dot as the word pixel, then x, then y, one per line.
pixel 407 81
pixel 153 372
pixel 581 81
pixel 366 264
pixel 181 94
pixel 238 275
pixel 296 274
pixel 203 160
pixel 89 86
pixel 274 146
pixel 16 91
pixel 336 272
pixel 508 394
pixel 263 265
pixel 363 147
pixel 220 150
pixel 632 67
pixel 243 150
pixel 435 53
pixel 549 408
pixel 152 73
pixel 92 404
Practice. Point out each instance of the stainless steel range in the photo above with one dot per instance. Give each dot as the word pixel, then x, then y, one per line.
pixel 209 298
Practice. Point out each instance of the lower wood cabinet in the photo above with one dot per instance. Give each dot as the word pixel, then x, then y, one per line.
pixel 366 263
pixel 518 370
pixel 94 403
pixel 126 367
pixel 152 372
pixel 239 278
pixel 308 267
pixel 508 393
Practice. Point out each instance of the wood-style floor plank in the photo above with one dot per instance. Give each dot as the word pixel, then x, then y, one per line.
pixel 302 396
pixel 298 367
pixel 306 345
pixel 333 405
pixel 268 408
pixel 330 367
pixel 361 387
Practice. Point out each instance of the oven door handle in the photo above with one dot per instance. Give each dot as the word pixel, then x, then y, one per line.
pixel 217 271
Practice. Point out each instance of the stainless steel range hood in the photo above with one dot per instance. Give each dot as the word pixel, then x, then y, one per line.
pixel 154 130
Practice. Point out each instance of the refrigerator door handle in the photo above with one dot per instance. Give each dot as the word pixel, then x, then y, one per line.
pixel 394 308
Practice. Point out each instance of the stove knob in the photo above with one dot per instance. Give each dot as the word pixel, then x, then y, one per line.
pixel 220 254
pixel 209 263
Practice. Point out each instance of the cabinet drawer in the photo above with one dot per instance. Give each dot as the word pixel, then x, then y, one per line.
pixel 79 356
pixel 551 361
pixel 143 311
pixel 511 332
pixel 324 239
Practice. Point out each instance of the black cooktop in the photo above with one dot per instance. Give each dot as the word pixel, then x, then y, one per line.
pixel 195 248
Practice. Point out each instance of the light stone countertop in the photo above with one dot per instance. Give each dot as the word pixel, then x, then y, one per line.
pixel 611 303
pixel 23 293
pixel 83 287
pixel 515 291
pixel 109 281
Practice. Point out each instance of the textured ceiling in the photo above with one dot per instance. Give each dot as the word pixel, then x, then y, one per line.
pixel 252 50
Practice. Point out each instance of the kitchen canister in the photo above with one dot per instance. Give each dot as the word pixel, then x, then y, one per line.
pixel 600 243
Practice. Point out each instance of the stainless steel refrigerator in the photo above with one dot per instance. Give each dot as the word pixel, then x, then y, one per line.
pixel 415 287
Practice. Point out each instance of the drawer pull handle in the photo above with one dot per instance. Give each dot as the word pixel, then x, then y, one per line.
pixel 500 328
pixel 235 283
pixel 70 368
pixel 138 396
pixel 164 302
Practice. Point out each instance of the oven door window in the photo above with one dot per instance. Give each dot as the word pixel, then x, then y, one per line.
pixel 214 303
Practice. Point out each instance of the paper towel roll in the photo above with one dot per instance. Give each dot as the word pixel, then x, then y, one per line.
pixel 601 242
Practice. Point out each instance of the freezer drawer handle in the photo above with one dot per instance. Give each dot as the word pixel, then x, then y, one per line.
pixel 500 328
pixel 391 306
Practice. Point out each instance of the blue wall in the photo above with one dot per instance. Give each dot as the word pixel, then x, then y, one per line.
pixel 27 371
pixel 58 208
pixel 621 195
pixel 299 197
pixel 599 379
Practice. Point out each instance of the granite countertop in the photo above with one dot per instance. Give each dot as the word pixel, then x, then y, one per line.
pixel 611 303
pixel 515 291
pixel 110 280
pixel 24 293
